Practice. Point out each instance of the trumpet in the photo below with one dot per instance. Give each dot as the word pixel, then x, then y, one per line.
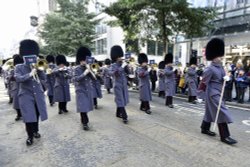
pixel 8 65
pixel 41 65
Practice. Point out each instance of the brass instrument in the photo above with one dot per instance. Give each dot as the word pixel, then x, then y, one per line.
pixel 8 65
pixel 41 65
pixel 154 65
pixel 95 67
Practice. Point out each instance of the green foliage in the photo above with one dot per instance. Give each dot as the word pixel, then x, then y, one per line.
pixel 68 28
pixel 159 19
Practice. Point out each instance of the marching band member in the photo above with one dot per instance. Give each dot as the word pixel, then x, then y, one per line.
pixel 107 77
pixel 192 81
pixel 14 91
pixel 61 87
pixel 31 94
pixel 169 80
pixel 161 75
pixel 120 82
pixel 50 79
pixel 83 86
pixel 144 83
pixel 211 84
pixel 96 87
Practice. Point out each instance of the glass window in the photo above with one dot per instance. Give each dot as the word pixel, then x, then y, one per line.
pixel 101 46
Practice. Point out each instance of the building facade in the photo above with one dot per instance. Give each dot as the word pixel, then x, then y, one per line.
pixel 232 24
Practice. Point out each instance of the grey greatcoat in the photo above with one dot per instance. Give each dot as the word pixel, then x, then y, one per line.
pixel 61 87
pixel 169 81
pixel 50 81
pixel 83 87
pixel 212 82
pixel 107 78
pixel 192 82
pixel 161 76
pixel 144 84
pixel 120 85
pixel 30 93
pixel 96 88
pixel 14 90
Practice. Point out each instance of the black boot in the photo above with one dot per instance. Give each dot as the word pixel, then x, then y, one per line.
pixel 194 99
pixel 229 140
pixel 167 101
pixel 205 126
pixel 36 135
pixel 118 112
pixel 19 115
pixel 85 127
pixel 29 141
pixel 170 105
pixel 189 99
pixel 147 111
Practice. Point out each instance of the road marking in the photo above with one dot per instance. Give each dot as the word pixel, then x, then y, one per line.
pixel 246 122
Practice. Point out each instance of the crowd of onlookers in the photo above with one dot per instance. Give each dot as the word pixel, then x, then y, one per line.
pixel 237 89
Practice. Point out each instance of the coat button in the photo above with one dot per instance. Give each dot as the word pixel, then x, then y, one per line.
pixel 34 93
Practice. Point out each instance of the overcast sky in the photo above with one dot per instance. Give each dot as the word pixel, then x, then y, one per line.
pixel 15 22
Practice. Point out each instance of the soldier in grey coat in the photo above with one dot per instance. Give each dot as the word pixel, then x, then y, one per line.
pixel 161 75
pixel 61 87
pixel 83 77
pixel 192 81
pixel 50 79
pixel 120 82
pixel 211 84
pixel 30 94
pixel 169 80
pixel 15 88
pixel 144 83
pixel 107 77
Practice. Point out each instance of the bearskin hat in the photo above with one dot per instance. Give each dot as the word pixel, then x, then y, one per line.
pixel 107 61
pixel 67 64
pixel 215 48
pixel 100 63
pixel 193 60
pixel 116 52
pixel 168 58
pixel 82 53
pixel 28 47
pixel 161 65
pixel 17 59
pixel 142 58
pixel 50 59
pixel 61 59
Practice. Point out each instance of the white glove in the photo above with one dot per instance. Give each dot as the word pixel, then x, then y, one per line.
pixel 226 78
pixel 86 72
pixel 124 65
pixel 33 72
pixel 61 69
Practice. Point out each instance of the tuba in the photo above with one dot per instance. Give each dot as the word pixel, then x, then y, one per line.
pixel 8 65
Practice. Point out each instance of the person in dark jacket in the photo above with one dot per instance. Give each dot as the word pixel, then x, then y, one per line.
pixel 61 87
pixel 50 79
pixel 120 82
pixel 169 80
pixel 153 78
pixel 144 84
pixel 242 84
pixel 83 86
pixel 31 93
pixel 211 84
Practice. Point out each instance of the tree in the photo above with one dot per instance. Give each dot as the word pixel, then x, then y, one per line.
pixel 68 28
pixel 159 19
